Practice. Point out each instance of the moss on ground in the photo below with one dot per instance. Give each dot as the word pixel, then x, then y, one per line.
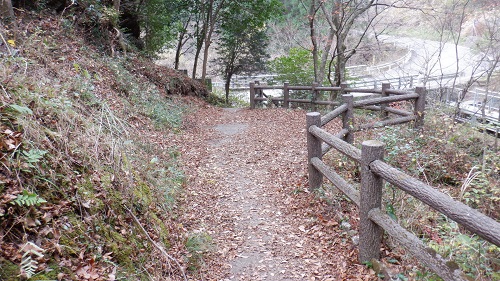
pixel 93 116
pixel 9 271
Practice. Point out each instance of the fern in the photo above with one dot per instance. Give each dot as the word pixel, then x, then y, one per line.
pixel 28 264
pixel 28 199
pixel 21 109
pixel 34 155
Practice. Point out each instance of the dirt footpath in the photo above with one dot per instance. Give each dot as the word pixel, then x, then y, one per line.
pixel 247 190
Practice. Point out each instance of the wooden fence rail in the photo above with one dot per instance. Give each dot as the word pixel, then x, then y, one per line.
pixel 368 197
pixel 257 94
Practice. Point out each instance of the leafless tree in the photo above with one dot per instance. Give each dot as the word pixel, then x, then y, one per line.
pixel 212 17
pixel 348 23
pixel 490 46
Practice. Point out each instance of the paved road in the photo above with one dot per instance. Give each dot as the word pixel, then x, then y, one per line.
pixel 433 58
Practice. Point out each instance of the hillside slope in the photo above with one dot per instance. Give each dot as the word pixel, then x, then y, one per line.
pixel 87 186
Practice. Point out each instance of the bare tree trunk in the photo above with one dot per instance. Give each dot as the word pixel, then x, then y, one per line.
pixel 341 63
pixel 6 11
pixel 178 50
pixel 227 86
pixel 181 41
pixel 200 37
pixel 327 48
pixel 199 45
pixel 483 117
pixel 343 16
pixel 116 5
pixel 7 16
pixel 429 67
pixel 314 39
pixel 212 18
pixel 483 111
pixel 207 38
pixel 456 40
pixel 205 58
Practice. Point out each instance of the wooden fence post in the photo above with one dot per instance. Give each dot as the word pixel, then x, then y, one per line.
pixel 313 150
pixel 258 93
pixel 419 110
pixel 370 234
pixel 252 95
pixel 384 114
pixel 286 95
pixel 348 117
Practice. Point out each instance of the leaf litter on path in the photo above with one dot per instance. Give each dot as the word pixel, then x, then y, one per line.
pixel 247 189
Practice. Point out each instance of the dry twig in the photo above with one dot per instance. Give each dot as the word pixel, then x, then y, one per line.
pixel 6 45
pixel 156 245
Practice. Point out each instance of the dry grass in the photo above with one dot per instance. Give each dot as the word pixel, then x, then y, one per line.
pixel 445 154
pixel 103 151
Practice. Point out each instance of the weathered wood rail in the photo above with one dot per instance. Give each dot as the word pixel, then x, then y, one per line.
pixel 374 172
pixel 257 92
pixel 257 95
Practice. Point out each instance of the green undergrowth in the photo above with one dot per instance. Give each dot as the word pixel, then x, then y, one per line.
pixel 77 141
pixel 197 245
pixel 147 99
pixel 455 158
pixel 236 99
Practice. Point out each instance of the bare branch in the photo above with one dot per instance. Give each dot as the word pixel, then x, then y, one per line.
pixel 164 253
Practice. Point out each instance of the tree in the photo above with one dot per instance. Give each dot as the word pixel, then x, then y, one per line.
pixel 296 68
pixel 314 7
pixel 342 17
pixel 6 11
pixel 240 53
pixel 8 18
pixel 289 30
pixel 212 15
pixel 200 29
pixel 186 16
pixel 242 41
pixel 336 31
pixel 159 20
pixel 489 45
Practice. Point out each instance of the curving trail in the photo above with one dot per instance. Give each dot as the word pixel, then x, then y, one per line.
pixel 247 189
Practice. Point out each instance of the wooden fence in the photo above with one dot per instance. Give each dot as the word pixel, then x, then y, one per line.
pixel 257 94
pixel 373 221
pixel 361 86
